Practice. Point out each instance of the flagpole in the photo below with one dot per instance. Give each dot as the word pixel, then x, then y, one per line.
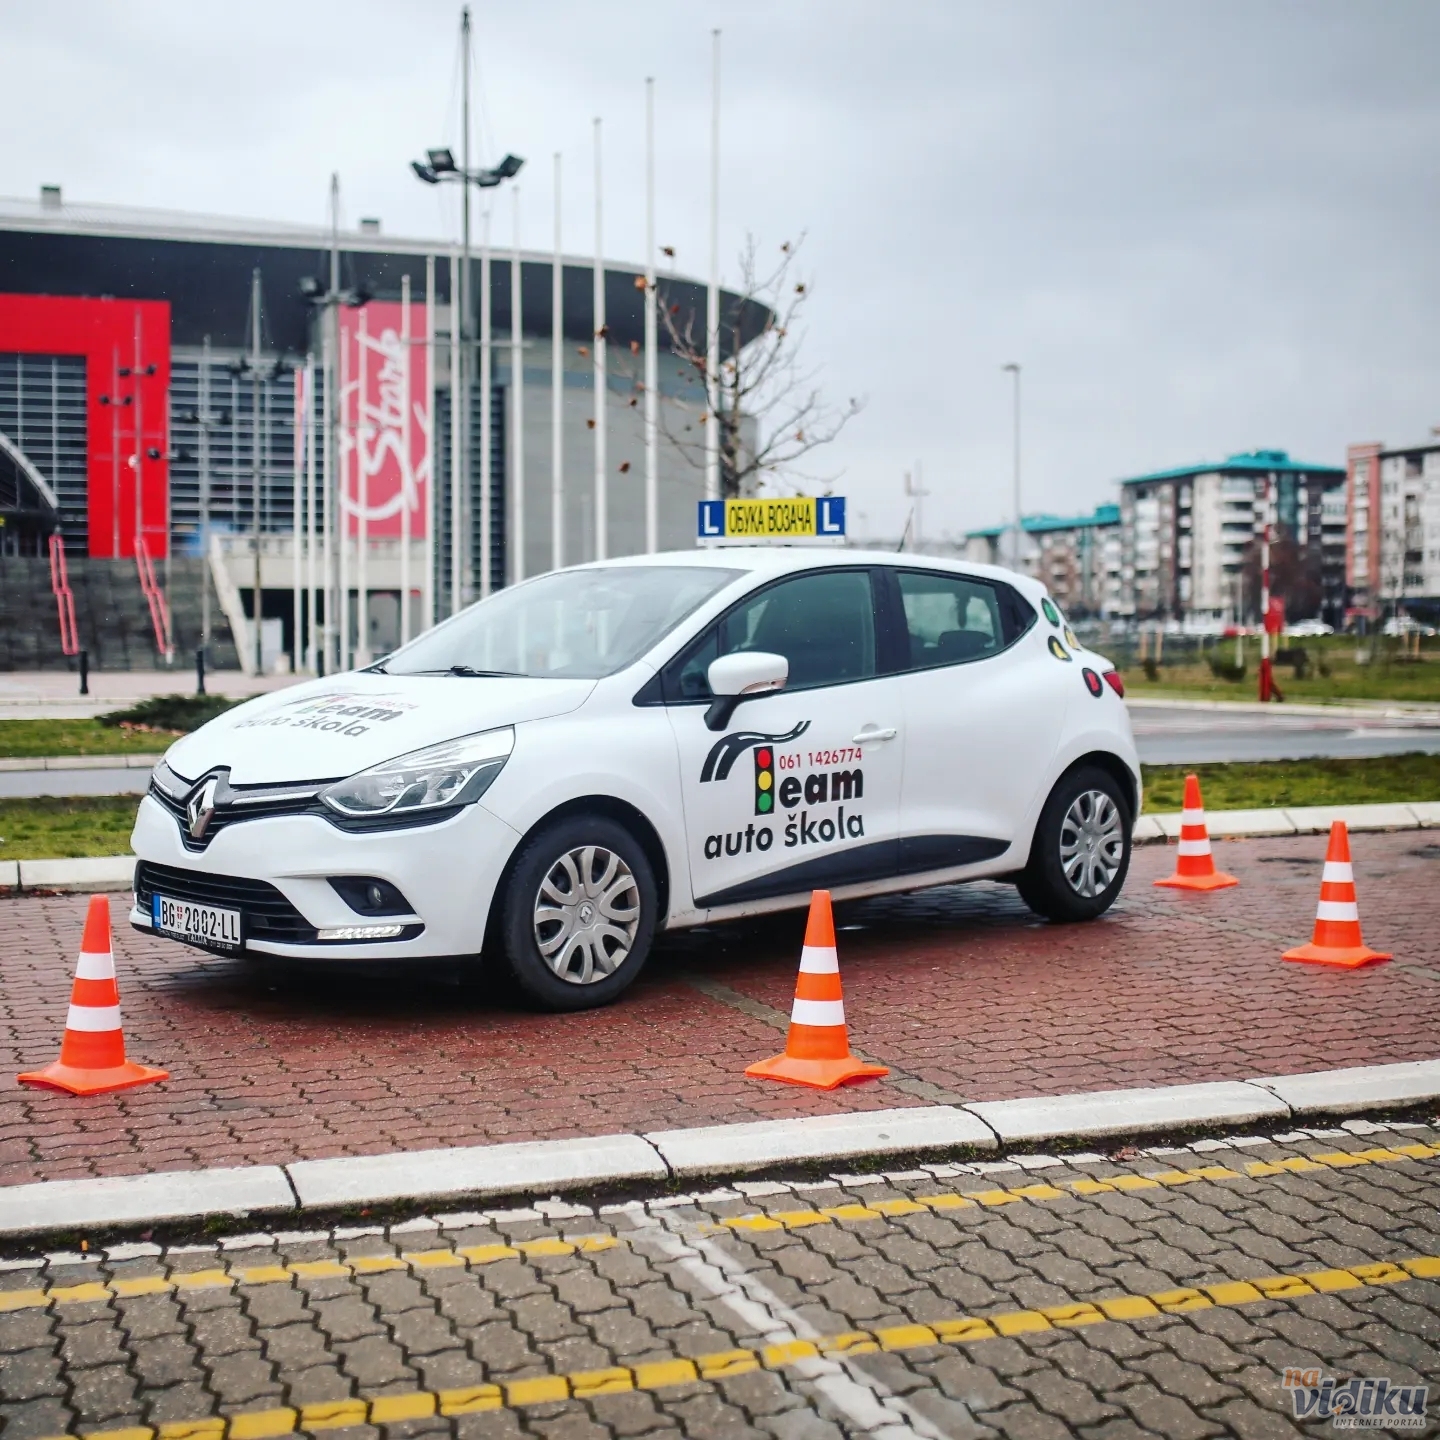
pixel 601 384
pixel 517 399
pixel 557 391
pixel 652 359
pixel 712 298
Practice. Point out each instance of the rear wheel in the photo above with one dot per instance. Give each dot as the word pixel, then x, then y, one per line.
pixel 1081 851
pixel 580 913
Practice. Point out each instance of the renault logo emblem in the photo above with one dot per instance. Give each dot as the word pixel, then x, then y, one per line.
pixel 200 808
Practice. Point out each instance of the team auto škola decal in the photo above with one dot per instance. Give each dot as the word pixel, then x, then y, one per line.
pixel 344 714
pixel 786 779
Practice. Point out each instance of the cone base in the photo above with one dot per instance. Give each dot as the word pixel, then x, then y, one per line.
pixel 75 1081
pixel 1218 881
pixel 1345 957
pixel 817 1074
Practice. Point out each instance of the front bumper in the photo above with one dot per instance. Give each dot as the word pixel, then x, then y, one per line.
pixel 449 873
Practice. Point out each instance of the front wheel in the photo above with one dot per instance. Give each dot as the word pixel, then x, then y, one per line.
pixel 579 913
pixel 1081 850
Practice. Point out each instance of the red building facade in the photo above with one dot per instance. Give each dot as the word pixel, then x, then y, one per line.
pixel 126 348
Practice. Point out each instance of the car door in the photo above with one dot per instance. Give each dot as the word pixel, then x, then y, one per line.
pixel 983 706
pixel 801 789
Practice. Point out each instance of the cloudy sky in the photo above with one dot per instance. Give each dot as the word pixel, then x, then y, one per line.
pixel 1200 228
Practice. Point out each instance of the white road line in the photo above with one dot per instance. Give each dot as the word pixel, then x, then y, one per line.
pixel 866 1405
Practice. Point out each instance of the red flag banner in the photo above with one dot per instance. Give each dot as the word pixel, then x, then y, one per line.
pixel 385 421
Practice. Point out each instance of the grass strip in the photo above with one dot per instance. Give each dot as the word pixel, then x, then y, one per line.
pixel 1266 784
pixel 48 827
pixel 24 739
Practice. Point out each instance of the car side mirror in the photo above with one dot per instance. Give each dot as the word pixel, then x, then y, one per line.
pixel 738 677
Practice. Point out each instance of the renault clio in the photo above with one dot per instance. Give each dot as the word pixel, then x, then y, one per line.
pixel 551 776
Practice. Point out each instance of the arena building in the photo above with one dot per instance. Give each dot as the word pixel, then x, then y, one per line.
pixel 151 413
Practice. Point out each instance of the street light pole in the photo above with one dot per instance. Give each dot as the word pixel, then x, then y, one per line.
pixel 1014 369
pixel 439 165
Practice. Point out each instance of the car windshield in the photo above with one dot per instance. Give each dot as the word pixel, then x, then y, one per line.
pixel 570 624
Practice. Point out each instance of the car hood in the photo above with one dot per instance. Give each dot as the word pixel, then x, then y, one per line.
pixel 330 728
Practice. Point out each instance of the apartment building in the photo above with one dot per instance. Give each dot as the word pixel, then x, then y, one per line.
pixel 1184 534
pixel 1392 530
pixel 1078 558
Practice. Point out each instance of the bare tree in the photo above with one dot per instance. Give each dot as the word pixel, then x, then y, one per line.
pixel 771 412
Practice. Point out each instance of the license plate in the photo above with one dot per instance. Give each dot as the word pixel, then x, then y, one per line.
pixel 206 925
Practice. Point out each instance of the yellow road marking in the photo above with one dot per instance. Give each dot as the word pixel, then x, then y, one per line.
pixel 183 1281
pixel 760 1222
pixel 540 1390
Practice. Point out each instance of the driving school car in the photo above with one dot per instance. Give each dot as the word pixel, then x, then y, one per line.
pixel 550 777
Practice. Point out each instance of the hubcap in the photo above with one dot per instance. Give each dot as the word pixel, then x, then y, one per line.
pixel 1092 843
pixel 587 911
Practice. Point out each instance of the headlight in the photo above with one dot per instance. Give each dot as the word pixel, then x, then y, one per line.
pixel 453 773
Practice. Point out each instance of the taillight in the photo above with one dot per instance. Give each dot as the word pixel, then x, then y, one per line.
pixel 1113 680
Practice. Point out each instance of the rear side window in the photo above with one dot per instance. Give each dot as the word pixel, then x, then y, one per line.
pixel 822 622
pixel 950 619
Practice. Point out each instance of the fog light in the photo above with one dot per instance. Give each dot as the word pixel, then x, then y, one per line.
pixel 361 932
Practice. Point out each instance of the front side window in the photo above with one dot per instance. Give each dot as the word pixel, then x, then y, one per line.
pixel 570 624
pixel 950 619
pixel 822 622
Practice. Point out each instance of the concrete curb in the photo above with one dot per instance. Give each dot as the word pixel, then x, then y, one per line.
pixel 29 763
pixel 734 1149
pixel 93 872
pixel 475 1170
pixel 546 1166
pixel 1370 710
pixel 136 1199
pixel 1301 820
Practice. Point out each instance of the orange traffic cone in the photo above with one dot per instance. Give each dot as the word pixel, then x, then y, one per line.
pixel 1337 919
pixel 1195 865
pixel 817 1049
pixel 92 1053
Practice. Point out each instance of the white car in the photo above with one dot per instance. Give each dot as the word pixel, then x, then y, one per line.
pixel 580 760
pixel 1308 629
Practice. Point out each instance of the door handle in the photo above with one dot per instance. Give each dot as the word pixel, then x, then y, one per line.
pixel 872 734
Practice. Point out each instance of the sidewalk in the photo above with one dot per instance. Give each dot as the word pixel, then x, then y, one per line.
pixel 55 694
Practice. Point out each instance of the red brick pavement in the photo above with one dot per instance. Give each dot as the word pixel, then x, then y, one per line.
pixel 960 989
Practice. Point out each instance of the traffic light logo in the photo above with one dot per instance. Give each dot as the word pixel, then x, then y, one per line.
pixel 764 780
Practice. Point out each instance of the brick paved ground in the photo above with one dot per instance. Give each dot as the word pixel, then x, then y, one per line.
pixel 960 990
pixel 1162 1294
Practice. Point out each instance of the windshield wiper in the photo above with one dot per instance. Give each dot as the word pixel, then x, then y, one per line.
pixel 471 673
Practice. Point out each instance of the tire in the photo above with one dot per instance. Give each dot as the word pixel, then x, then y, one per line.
pixel 1086 804
pixel 558 954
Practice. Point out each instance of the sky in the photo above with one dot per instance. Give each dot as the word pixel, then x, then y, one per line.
pixel 1199 229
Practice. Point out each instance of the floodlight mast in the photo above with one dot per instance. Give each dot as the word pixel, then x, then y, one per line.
pixel 437 167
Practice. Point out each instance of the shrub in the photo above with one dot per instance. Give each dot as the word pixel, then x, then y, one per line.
pixel 178 714
pixel 1151 668
pixel 1226 669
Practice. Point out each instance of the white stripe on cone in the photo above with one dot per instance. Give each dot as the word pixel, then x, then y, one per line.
pixel 819 960
pixel 95 966
pixel 1338 872
pixel 1194 847
pixel 817 1012
pixel 1337 910
pixel 94 1018
pixel 1192 817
